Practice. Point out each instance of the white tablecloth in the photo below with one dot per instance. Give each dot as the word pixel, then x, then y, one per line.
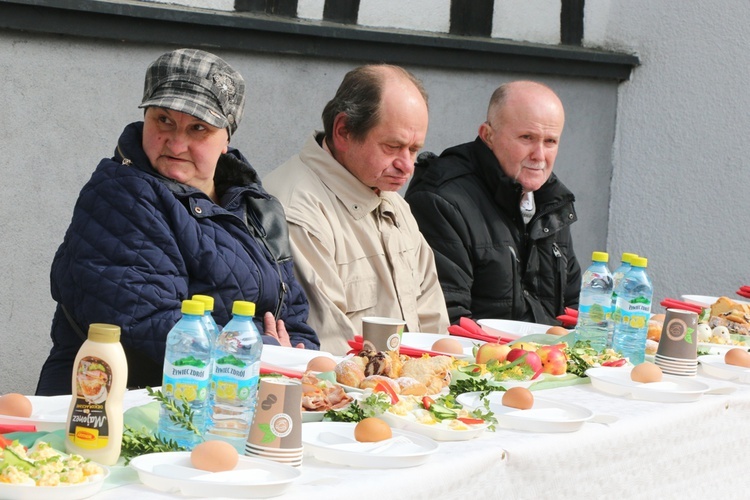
pixel 653 450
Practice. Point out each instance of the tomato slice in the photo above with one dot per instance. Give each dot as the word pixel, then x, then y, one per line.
pixel 615 362
pixel 427 401
pixel 470 421
pixel 4 441
pixel 384 387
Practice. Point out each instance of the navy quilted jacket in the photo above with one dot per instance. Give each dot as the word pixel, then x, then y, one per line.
pixel 140 243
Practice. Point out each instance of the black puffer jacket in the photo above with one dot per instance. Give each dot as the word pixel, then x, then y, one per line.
pixel 490 264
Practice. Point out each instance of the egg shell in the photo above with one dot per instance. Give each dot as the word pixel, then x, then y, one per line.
pixel 518 397
pixel 448 345
pixel 372 429
pixel 15 405
pixel 321 364
pixel 737 357
pixel 214 456
pixel 646 373
pixel 557 330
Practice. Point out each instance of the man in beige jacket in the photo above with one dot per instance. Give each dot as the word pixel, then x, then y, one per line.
pixel 356 246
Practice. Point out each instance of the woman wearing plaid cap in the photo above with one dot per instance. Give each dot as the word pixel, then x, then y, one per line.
pixel 174 213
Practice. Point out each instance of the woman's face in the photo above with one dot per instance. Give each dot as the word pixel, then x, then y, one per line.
pixel 183 148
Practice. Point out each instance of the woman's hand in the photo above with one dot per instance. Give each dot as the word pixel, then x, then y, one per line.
pixel 277 330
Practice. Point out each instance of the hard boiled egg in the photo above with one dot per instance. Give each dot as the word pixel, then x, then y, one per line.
pixel 518 397
pixel 214 456
pixel 737 357
pixel 372 429
pixel 449 345
pixel 321 364
pixel 646 372
pixel 557 330
pixel 15 405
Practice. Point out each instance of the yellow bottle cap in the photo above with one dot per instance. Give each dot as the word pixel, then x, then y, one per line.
pixel 243 308
pixel 600 257
pixel 207 300
pixel 102 332
pixel 628 257
pixel 193 307
pixel 640 262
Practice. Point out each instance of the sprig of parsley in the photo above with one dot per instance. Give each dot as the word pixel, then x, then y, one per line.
pixel 473 384
pixel 373 405
pixel 136 442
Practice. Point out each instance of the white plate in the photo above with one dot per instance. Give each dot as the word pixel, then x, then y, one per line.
pixel 715 366
pixel 48 413
pixel 424 341
pixel 435 432
pixel 312 416
pixel 398 456
pixel 716 348
pixel 672 389
pixel 251 478
pixel 291 358
pixel 545 415
pixel 511 329
pixel 706 300
pixel 72 492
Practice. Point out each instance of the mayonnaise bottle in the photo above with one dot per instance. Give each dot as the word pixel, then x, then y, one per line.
pixel 100 374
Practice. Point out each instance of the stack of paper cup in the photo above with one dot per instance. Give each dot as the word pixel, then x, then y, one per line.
pixel 678 346
pixel 276 432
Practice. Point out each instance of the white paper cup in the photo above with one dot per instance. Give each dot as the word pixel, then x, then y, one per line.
pixel 382 334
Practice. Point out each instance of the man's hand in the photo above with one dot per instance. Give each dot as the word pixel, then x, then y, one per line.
pixel 277 330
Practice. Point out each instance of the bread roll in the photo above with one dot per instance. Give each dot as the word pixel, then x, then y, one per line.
pixel 411 386
pixel 349 372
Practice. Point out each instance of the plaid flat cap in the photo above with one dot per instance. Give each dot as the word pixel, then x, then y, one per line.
pixel 197 83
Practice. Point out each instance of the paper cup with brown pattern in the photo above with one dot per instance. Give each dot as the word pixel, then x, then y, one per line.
pixel 277 424
pixel 382 334
pixel 679 339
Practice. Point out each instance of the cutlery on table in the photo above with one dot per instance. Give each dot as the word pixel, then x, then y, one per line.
pixel 348 444
pixel 457 331
pixel 357 343
pixel 679 304
pixel 266 368
pixel 470 329
pixel 567 320
pixel 8 428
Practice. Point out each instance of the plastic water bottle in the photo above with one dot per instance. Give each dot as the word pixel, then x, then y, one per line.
pixel 234 378
pixel 187 367
pixel 208 320
pixel 621 271
pixel 632 312
pixel 595 303
pixel 617 276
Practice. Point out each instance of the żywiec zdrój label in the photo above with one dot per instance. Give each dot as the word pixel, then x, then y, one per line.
pixel 186 379
pixel 234 379
pixel 635 313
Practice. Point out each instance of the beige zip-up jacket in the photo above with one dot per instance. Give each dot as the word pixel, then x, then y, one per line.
pixel 356 253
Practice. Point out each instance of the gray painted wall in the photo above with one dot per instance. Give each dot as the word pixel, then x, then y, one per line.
pixel 680 184
pixel 66 101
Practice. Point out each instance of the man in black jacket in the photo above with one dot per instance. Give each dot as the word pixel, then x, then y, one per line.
pixel 496 216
